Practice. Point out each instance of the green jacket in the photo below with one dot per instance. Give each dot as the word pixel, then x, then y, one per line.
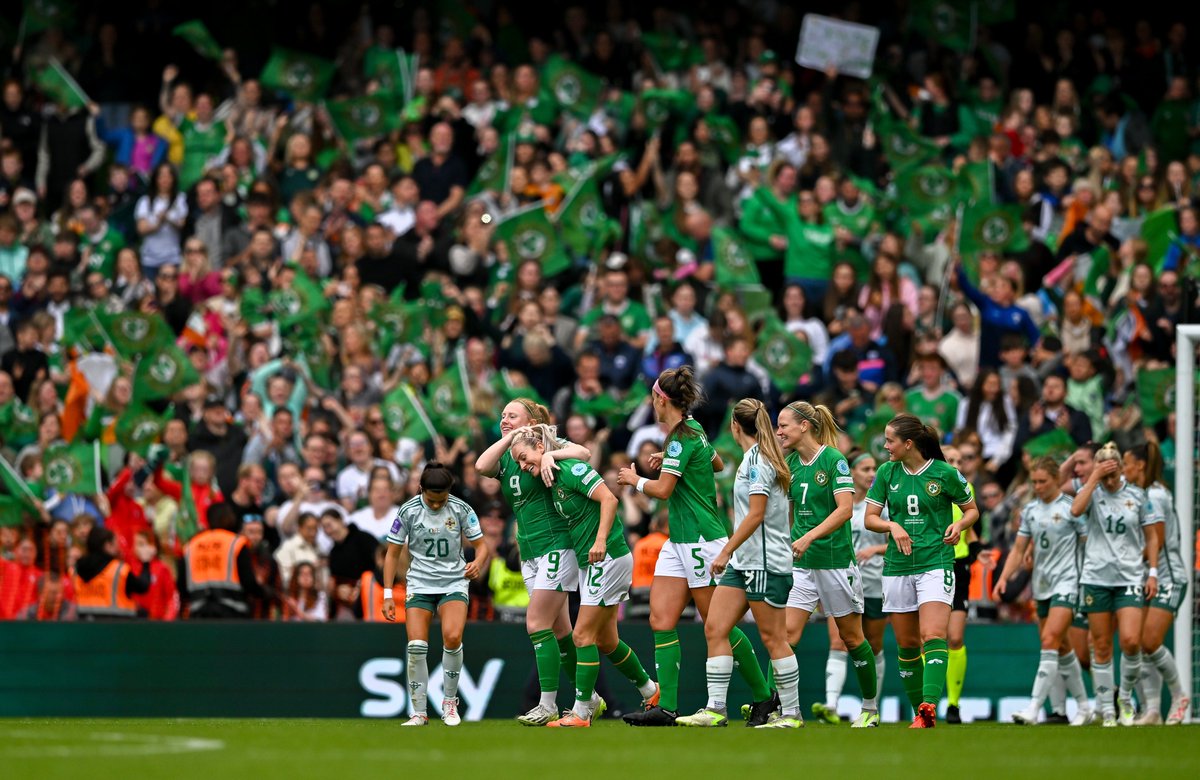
pixel 761 219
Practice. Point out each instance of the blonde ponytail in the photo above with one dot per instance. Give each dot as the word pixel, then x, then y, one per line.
pixel 751 415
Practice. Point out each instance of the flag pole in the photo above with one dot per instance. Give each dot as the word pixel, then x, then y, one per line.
pixel 20 481
pixel 945 291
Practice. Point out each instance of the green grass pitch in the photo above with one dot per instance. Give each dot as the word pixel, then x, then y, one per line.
pixel 97 749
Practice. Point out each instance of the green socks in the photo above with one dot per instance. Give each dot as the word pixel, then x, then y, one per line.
pixel 936 661
pixel 747 663
pixel 863 658
pixel 566 657
pixel 771 671
pixel 545 654
pixel 912 674
pixel 587 670
pixel 956 675
pixel 666 665
pixel 627 663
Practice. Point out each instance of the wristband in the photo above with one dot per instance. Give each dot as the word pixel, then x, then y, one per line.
pixel 387 593
pixel 641 485
pixel 1153 572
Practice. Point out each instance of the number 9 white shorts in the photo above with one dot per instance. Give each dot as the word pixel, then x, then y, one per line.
pixel 556 570
pixel 905 593
pixel 690 560
pixel 606 584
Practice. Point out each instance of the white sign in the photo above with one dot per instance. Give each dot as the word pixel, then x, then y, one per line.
pixel 848 46
pixel 380 677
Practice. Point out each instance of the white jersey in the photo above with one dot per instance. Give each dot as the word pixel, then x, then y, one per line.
pixel 871 570
pixel 1171 571
pixel 1112 557
pixel 1054 533
pixel 435 544
pixel 770 546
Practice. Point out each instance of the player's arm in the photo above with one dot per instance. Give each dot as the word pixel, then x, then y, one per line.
pixel 750 524
pixel 837 518
pixel 391 564
pixel 717 464
pixel 569 451
pixel 1083 498
pixel 970 515
pixel 1152 524
pixel 874 521
pixel 474 534
pixel 488 462
pixel 660 488
pixel 1011 564
pixel 608 515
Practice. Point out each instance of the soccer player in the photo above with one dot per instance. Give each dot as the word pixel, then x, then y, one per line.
pixel 605 568
pixel 697 535
pixel 1144 467
pixel 1115 581
pixel 425 545
pixel 547 560
pixel 825 568
pixel 755 571
pixel 918 489
pixel 1072 474
pixel 1054 533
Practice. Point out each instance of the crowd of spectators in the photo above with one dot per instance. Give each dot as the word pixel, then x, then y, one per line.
pixel 206 198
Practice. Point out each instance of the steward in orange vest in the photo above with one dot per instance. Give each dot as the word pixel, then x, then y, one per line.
pixel 216 573
pixel 104 585
pixel 371 597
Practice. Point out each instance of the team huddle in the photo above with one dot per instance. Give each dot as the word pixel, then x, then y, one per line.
pixel 869 543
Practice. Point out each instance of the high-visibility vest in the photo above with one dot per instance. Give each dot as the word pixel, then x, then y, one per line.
pixel 645 556
pixel 963 548
pixel 104 595
pixel 211 566
pixel 372 599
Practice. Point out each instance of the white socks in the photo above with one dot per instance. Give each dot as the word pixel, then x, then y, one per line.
pixel 1072 676
pixel 718 669
pixel 549 700
pixel 1047 673
pixel 1102 679
pixel 835 677
pixel 1164 662
pixel 452 662
pixel 1131 669
pixel 787 682
pixel 418 674
pixel 648 689
pixel 880 667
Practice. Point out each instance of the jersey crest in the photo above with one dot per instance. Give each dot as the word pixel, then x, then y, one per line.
pixel 450 524
pixel 821 478
pixel 933 488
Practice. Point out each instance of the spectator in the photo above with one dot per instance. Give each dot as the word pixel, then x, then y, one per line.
pixel 216 575
pixel 301 548
pixel 1000 314
pixel 161 214
pixel 353 553
pixel 104 586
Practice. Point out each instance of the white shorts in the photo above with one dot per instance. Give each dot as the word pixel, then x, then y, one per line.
pixel 556 570
pixel 839 591
pixel 691 561
pixel 907 592
pixel 606 584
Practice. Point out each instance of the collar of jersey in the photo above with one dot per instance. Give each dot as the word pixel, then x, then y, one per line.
pixel 816 455
pixel 919 471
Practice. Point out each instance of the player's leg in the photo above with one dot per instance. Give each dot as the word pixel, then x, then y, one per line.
pixel 956 660
pixel 588 625
pixel 545 618
pixel 744 659
pixel 416 622
pixel 669 595
pixel 873 630
pixel 452 614
pixel 614 588
pixel 725 607
pixel 1100 629
pixel 1156 657
pixel 907 627
pixel 1051 630
pixel 934 622
pixel 1129 635
pixel 835 668
pixel 850 628
pixel 771 620
pixel 802 600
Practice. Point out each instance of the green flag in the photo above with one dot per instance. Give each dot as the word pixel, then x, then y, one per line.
pixel 529 235
pixel 19 499
pixel 575 90
pixel 399 323
pixel 450 399
pixel 871 435
pixel 82 328
pixel 187 519
pixel 364 117
pixel 303 76
pixel 162 375
pixel 301 305
pixel 393 69
pixel 1156 393
pixel 57 83
pixel 734 265
pixel 925 189
pixel 138 427
pixel 18 424
pixel 43 14
pixel 509 387
pixel 903 146
pixel 582 220
pixel 660 105
pixel 785 357
pixel 991 227
pixel 975 182
pixel 134 333
pixel 195 33
pixel 73 468
pixel 1158 231
pixel 949 23
pixel 405 416
pixel 1055 444
pixel 670 52
pixel 725 135
pixel 1093 267
pixel 493 174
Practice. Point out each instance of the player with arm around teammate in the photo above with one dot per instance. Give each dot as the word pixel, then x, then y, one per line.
pixel 918 489
pixel 605 569
pixel 429 531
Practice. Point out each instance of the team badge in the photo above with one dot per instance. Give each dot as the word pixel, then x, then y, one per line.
pixel 674 449
pixel 843 468
pixel 1088 599
pixel 821 478
pixel 450 524
pixel 933 488
pixel 579 469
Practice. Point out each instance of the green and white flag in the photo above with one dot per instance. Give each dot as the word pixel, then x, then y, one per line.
pixel 986 227
pixel 670 52
pixel 134 333
pixel 393 69
pixel 492 176
pixel 785 357
pixel 57 83
pixel 1159 229
pixel 733 264
pixel 195 33
pixel 902 146
pixel 528 234
pixel 1055 444
pixel 582 220
pixel 359 118
pixel 925 189
pixel 449 404
pixel 73 468
pixel 575 90
pixel 18 500
pixel 139 427
pixel 18 424
pixel 1156 393
pixel 162 375
pixel 405 416
pixel 659 105
pixel 303 76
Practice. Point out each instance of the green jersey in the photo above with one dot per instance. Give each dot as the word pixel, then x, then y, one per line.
pixel 939 410
pixel 539 528
pixel 692 506
pixel 572 497
pixel 922 502
pixel 634 318
pixel 809 252
pixel 101 253
pixel 200 144
pixel 814 487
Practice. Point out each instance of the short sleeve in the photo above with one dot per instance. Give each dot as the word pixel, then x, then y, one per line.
pixel 398 533
pixel 1026 522
pixel 143 209
pixel 1150 513
pixel 470 525
pixel 676 455
pixel 762 475
pixel 589 482
pixel 842 481
pixel 957 487
pixel 877 493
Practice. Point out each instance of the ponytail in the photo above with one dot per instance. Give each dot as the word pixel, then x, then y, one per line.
pixel 908 427
pixel 437 478
pixel 538 434
pixel 1150 455
pixel 678 387
pixel 824 426
pixel 751 415
pixel 537 412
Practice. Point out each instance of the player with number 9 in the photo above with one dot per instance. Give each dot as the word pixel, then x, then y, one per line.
pixel 425 547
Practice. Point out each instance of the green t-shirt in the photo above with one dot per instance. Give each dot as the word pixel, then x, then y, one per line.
pixel 540 530
pixel 634 318
pixel 923 504
pixel 692 507
pixel 571 495
pixel 199 146
pixel 814 486
pixel 809 252
pixel 102 253
pixel 941 411
pixel 761 219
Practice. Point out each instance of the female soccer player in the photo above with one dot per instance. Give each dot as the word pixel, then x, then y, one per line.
pixel 755 571
pixel 825 570
pixel 697 535
pixel 1114 575
pixel 918 489
pixel 869 548
pixel 1047 524
pixel 547 561
pixel 605 568
pixel 429 530
pixel 1144 467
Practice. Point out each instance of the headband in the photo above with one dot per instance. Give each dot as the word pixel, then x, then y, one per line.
pixel 815 423
pixel 528 407
pixel 659 391
pixel 860 458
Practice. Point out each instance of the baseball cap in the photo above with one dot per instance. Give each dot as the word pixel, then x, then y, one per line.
pixel 24 195
pixel 213 401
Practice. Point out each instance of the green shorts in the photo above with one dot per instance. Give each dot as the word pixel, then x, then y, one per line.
pixel 431 602
pixel 1080 620
pixel 1104 598
pixel 1169 597
pixel 1057 600
pixel 759 584
pixel 873 608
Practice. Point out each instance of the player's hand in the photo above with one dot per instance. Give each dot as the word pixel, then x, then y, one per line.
pixel 952 534
pixel 598 551
pixel 549 467
pixel 903 540
pixel 627 476
pixel 389 610
pixel 864 555
pixel 998 591
pixel 472 571
pixel 1151 585
pixel 720 563
pixel 1102 470
pixel 656 459
pixel 800 546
